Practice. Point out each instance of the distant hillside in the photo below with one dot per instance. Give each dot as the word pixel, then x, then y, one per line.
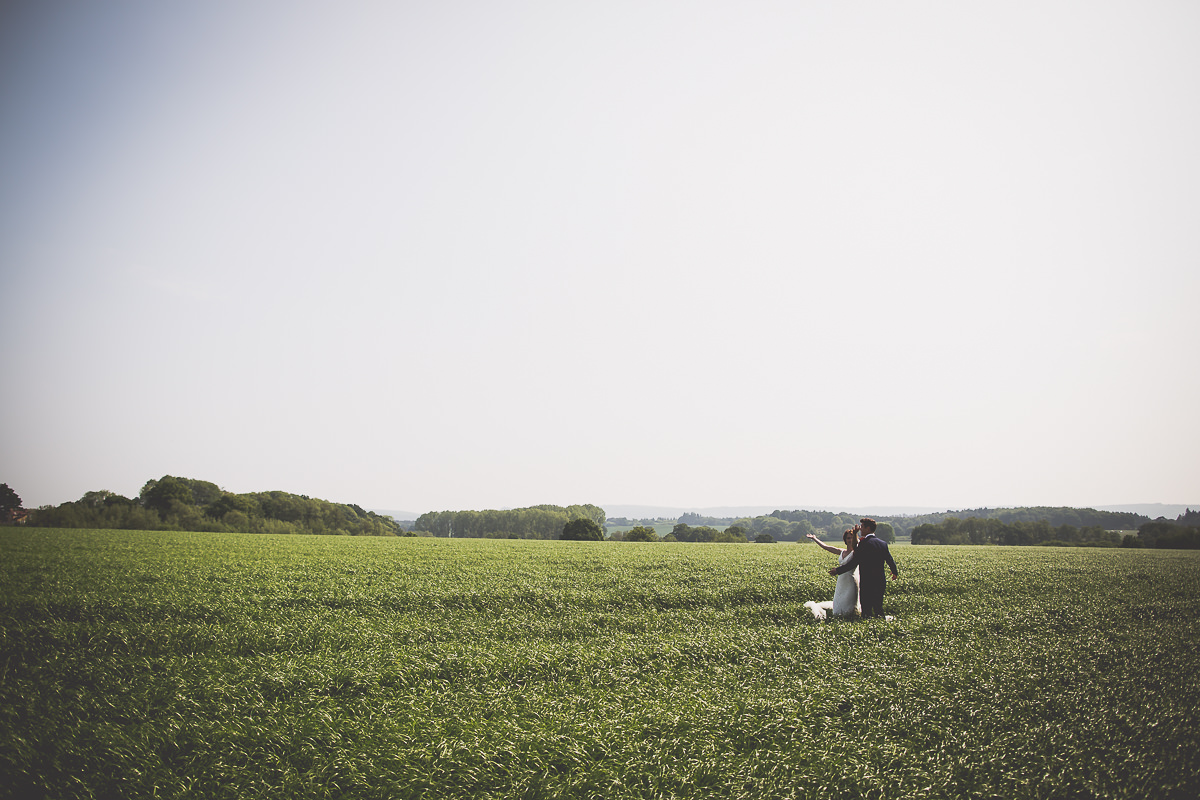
pixel 1152 510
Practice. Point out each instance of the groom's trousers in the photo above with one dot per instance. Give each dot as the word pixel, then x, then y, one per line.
pixel 870 595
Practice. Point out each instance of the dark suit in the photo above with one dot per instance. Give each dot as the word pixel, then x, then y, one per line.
pixel 869 556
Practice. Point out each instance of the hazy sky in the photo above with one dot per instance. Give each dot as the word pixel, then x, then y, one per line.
pixel 445 255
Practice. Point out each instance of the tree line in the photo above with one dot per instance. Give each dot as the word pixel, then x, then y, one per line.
pixel 533 522
pixel 794 525
pixel 1183 534
pixel 1055 516
pixel 974 530
pixel 188 504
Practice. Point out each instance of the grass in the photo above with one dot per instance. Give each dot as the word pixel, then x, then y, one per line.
pixel 212 665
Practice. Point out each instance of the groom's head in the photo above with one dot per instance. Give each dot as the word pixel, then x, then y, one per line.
pixel 867 525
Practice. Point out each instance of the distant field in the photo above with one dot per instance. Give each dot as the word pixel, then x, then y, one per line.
pixel 223 665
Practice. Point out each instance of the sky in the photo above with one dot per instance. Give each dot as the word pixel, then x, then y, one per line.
pixel 453 255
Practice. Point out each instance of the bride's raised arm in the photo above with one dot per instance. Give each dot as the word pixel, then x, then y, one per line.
pixel 837 551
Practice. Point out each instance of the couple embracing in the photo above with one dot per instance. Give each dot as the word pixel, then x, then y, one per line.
pixel 860 576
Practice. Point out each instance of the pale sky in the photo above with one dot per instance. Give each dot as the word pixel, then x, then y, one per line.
pixel 448 255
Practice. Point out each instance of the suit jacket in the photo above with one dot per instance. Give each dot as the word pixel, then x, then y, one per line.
pixel 869 556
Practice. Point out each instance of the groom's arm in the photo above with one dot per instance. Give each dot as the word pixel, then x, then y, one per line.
pixel 887 556
pixel 850 564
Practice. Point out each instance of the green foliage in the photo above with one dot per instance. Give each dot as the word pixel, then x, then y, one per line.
pixel 683 532
pixel 660 529
pixel 795 524
pixel 641 533
pixel 535 522
pixel 99 510
pixel 227 502
pixel 790 530
pixel 160 494
pixel 993 531
pixel 1052 516
pixel 143 665
pixel 185 504
pixel 582 529
pixel 10 503
pixel 885 531
pixel 585 511
pixel 1169 535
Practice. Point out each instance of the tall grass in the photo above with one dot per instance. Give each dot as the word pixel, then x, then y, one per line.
pixel 224 665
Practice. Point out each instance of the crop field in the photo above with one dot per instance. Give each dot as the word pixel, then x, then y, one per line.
pixel 170 665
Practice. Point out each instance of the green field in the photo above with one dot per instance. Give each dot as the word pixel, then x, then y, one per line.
pixel 224 665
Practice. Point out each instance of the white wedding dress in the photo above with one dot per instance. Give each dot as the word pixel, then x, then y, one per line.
pixel 845 595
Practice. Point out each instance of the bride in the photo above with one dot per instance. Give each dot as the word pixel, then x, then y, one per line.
pixel 845 592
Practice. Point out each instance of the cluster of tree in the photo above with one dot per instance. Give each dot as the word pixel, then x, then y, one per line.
pixel 1055 516
pixel 793 526
pixel 534 522
pixel 583 529
pixel 789 526
pixel 640 533
pixel 187 504
pixel 10 504
pixel 684 532
pixel 1183 534
pixel 977 530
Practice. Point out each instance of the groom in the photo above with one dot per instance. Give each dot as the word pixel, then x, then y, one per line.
pixel 870 556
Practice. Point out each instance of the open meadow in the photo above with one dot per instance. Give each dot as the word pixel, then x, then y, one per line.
pixel 155 664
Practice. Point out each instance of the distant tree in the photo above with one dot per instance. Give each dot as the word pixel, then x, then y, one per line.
pixel 583 529
pixel 235 521
pixel 1169 535
pixel 1149 533
pixel 928 533
pixel 641 534
pixel 773 526
pixel 764 538
pixel 738 530
pixel 10 503
pixel 98 499
pixel 682 532
pixel 886 532
pixel 228 502
pixel 160 494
